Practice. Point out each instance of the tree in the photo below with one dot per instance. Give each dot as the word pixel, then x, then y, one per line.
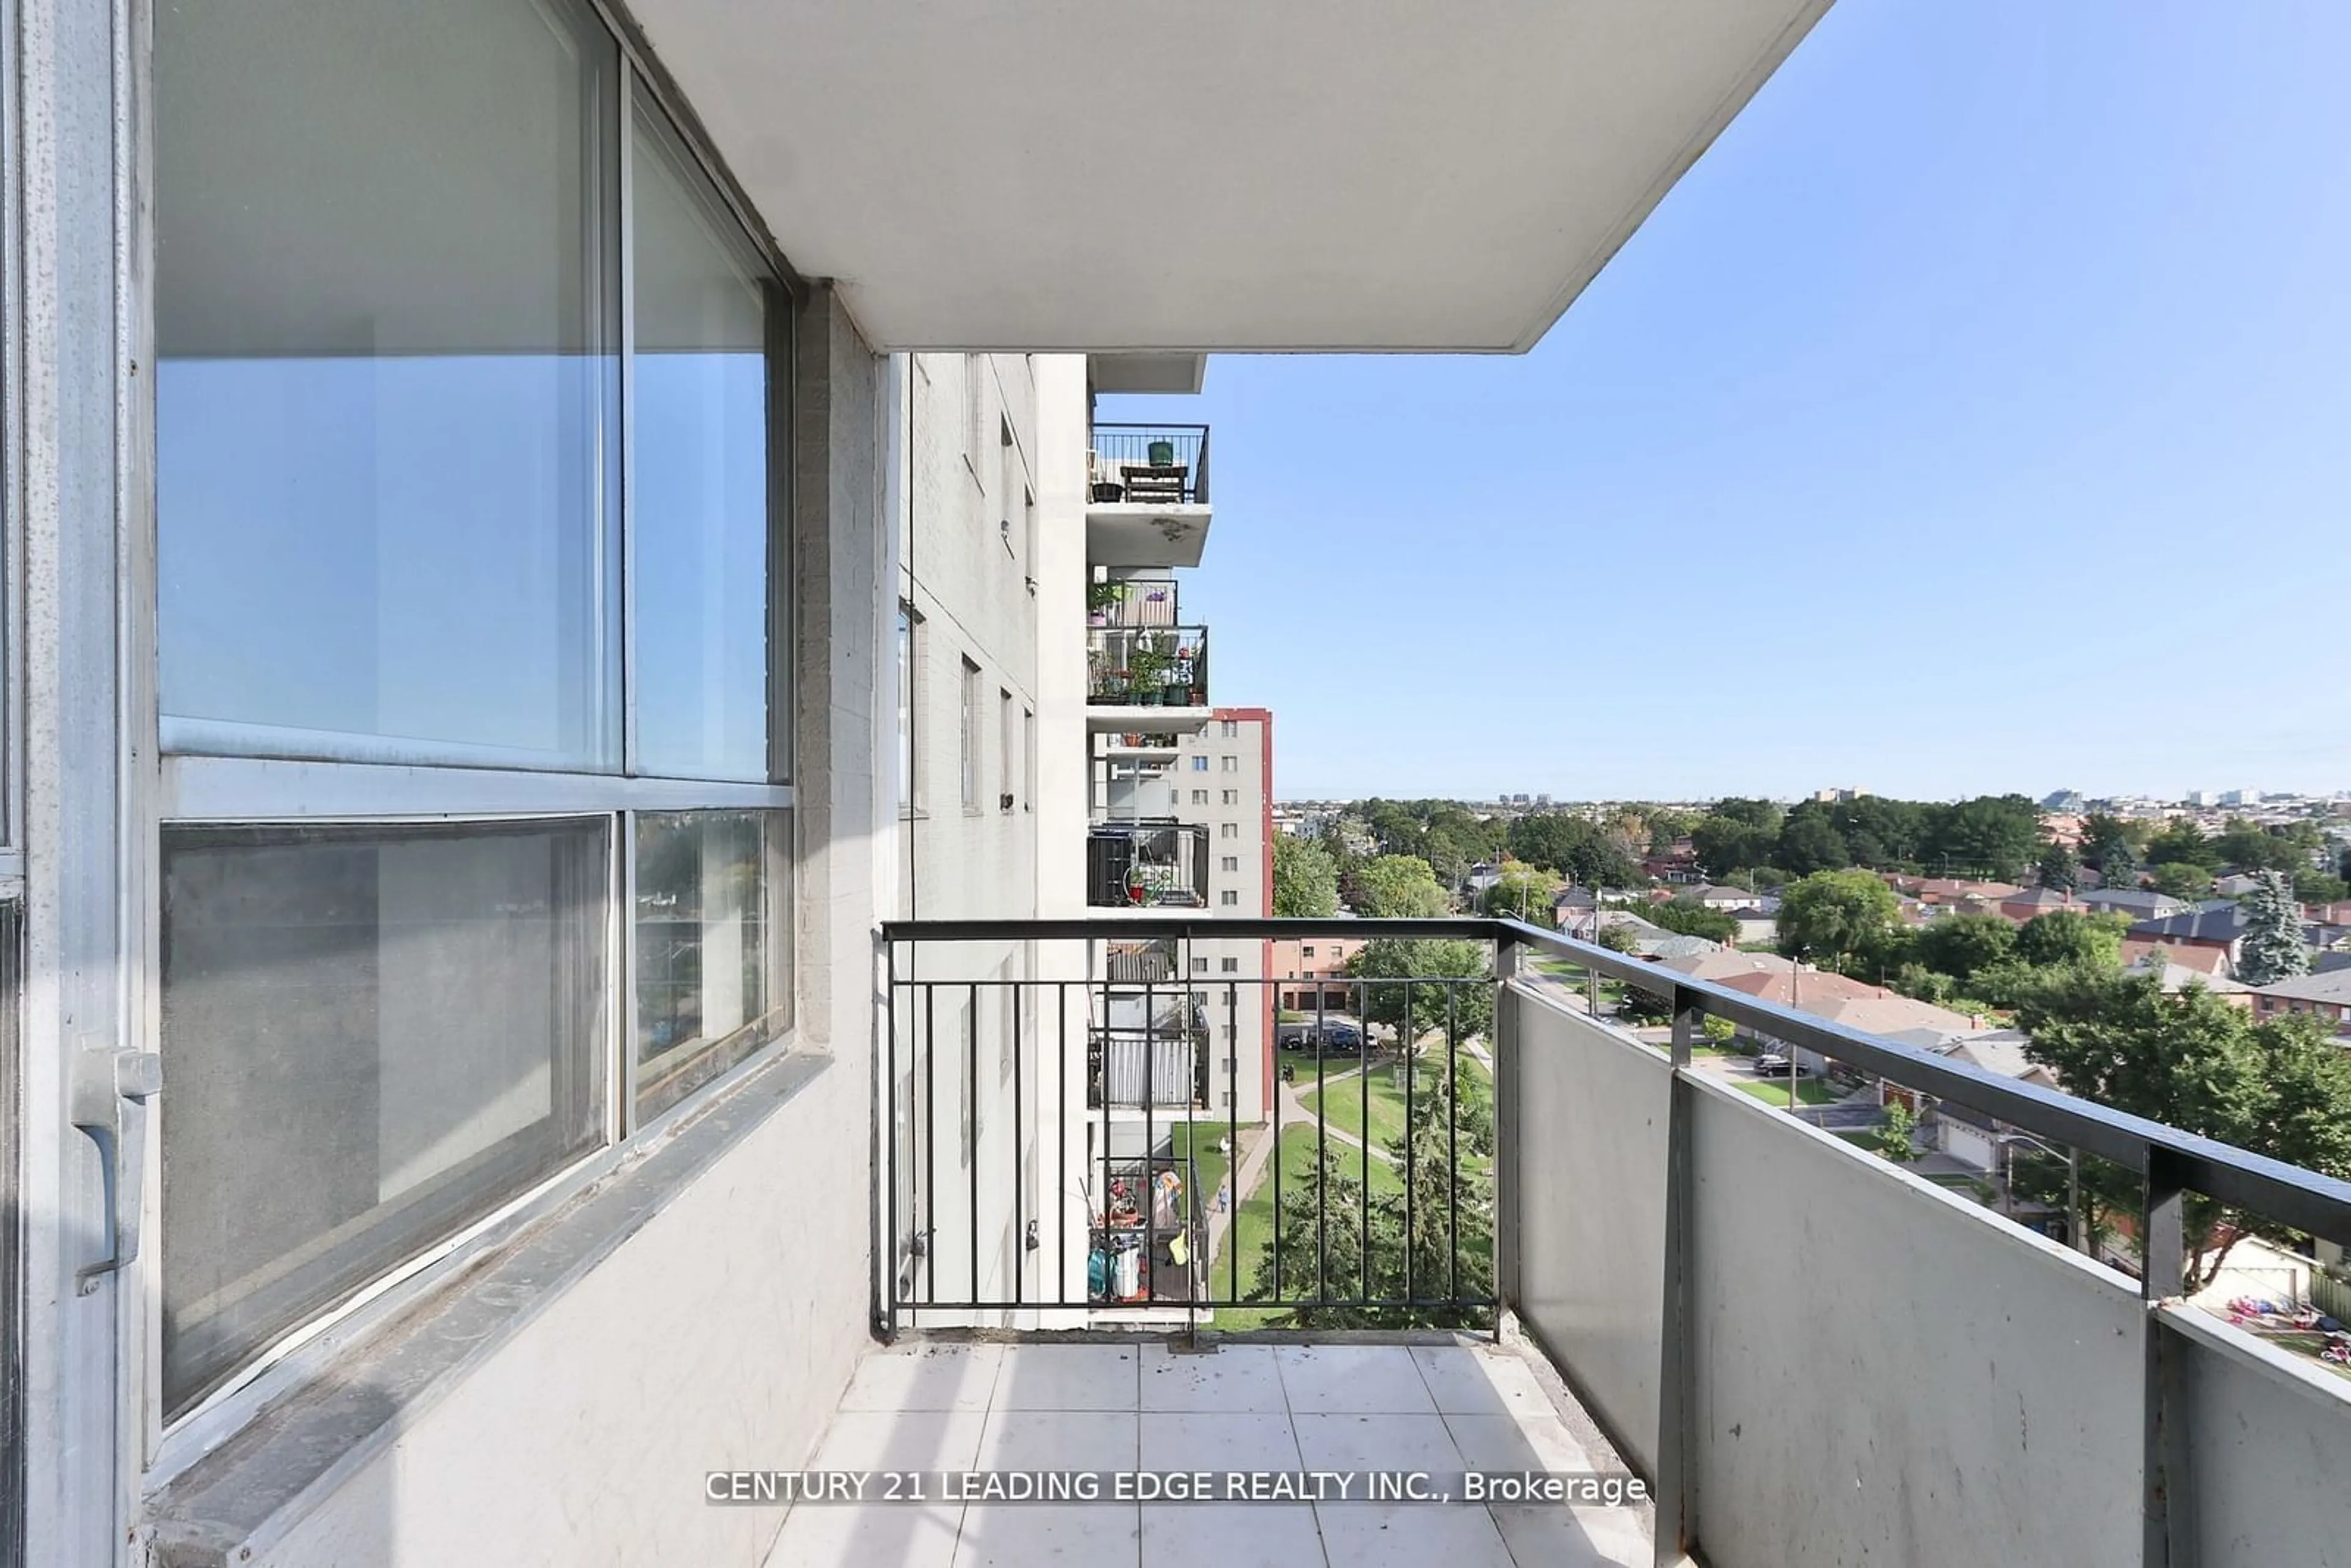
pixel 1574 848
pixel 2070 936
pixel 2181 879
pixel 2320 887
pixel 2183 843
pixel 1689 917
pixel 2194 1061
pixel 1305 879
pixel 1398 887
pixel 2058 869
pixel 1963 946
pixel 1467 1007
pixel 1619 938
pixel 1996 834
pixel 1735 835
pixel 1523 891
pixel 2272 949
pixel 1834 914
pixel 1894 1141
pixel 1415 1240
pixel 2103 835
pixel 1809 842
pixel 2119 869
pixel 2251 848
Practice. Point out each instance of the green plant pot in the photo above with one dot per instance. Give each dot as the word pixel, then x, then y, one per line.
pixel 1162 454
pixel 1176 697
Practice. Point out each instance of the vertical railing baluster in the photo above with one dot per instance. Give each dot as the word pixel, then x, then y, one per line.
pixel 1411 1229
pixel 1506 1140
pixel 1061 1158
pixel 1321 1162
pixel 1020 1226
pixel 1232 1210
pixel 2165 1543
pixel 1151 1145
pixel 889 1250
pixel 930 1136
pixel 971 1110
pixel 1677 1502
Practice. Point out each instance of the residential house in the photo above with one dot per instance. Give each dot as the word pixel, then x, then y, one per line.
pixel 1968 1135
pixel 2175 977
pixel 2139 904
pixel 2326 996
pixel 2215 926
pixel 2028 904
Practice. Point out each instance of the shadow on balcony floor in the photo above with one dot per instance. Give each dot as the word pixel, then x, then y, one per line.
pixel 1436 1405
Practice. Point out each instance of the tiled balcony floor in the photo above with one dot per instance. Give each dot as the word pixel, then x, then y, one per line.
pixel 1467 1405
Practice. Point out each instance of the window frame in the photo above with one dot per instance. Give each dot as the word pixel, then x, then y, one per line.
pixel 360 788
pixel 968 723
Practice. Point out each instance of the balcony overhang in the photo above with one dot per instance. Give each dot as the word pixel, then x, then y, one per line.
pixel 1226 176
pixel 1107 719
pixel 1129 533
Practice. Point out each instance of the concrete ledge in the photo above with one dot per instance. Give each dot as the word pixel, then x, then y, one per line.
pixel 233 1504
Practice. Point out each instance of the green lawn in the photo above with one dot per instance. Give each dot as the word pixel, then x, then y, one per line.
pixel 1774 1091
pixel 1199 1140
pixel 1252 1232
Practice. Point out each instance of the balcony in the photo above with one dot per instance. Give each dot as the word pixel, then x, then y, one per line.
pixel 1160 864
pixel 1147 495
pixel 1599 1256
pixel 1145 679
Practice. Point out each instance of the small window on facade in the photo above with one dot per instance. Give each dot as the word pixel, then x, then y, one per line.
pixel 1307 951
pixel 1007 750
pixel 1232 797
pixel 1231 966
pixel 1028 759
pixel 1199 797
pixel 1230 898
pixel 1199 966
pixel 1232 862
pixel 1232 763
pixel 970 735
pixel 1232 730
pixel 1199 765
pixel 1228 830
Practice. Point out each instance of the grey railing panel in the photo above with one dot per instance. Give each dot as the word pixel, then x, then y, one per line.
pixel 2267 1435
pixel 1886 1374
pixel 1590 1107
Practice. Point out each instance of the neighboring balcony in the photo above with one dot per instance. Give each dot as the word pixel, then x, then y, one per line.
pixel 1147 495
pixel 1160 864
pixel 1145 679
pixel 1810 1349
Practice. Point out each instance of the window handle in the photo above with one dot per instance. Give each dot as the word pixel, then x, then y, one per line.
pixel 111 1091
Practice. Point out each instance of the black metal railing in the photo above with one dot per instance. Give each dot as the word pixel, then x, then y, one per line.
pixel 1322 1170
pixel 1163 666
pixel 1135 601
pixel 2174 1163
pixel 1147 864
pixel 1145 463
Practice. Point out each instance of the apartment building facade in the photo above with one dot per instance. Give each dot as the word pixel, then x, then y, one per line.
pixel 467 466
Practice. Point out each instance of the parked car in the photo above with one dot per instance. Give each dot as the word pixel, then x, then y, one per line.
pixel 1771 1064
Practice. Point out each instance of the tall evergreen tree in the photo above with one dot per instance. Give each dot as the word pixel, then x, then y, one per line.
pixel 2059 873
pixel 2273 948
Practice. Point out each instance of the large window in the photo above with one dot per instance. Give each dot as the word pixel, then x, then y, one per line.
pixel 700 495
pixel 714 981
pixel 374 1035
pixel 386 393
pixel 471 452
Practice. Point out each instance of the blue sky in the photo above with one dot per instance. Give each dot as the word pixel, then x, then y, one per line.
pixel 1975 416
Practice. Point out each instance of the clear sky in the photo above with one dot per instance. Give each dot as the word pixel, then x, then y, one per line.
pixel 1975 416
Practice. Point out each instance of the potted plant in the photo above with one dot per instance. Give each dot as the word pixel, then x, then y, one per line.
pixel 1148 669
pixel 1109 490
pixel 1100 597
pixel 1162 454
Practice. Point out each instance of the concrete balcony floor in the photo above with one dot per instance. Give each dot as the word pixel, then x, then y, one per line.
pixel 1436 1403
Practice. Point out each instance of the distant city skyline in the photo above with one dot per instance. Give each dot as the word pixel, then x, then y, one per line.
pixel 1972 411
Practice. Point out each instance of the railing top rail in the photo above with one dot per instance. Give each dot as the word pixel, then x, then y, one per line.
pixel 1129 424
pixel 2304 1199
